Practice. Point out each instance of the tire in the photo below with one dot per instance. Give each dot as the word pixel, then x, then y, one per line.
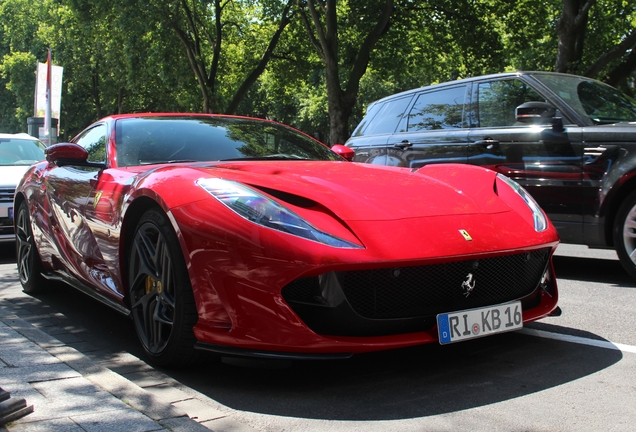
pixel 625 234
pixel 28 258
pixel 161 299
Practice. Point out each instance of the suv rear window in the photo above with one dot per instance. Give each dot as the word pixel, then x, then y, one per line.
pixel 383 118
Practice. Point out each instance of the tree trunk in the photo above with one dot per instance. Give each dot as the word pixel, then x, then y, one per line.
pixel 339 108
pixel 325 40
pixel 571 33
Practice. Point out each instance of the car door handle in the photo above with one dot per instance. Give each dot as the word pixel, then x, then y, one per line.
pixel 403 145
pixel 488 143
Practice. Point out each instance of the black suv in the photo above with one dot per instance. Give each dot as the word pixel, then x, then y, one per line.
pixel 569 140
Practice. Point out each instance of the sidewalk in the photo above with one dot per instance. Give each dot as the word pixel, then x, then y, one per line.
pixel 71 392
pixel 90 390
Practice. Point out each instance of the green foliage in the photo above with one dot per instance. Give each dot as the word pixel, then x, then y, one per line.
pixel 18 45
pixel 528 29
pixel 18 76
pixel 608 24
pixel 126 56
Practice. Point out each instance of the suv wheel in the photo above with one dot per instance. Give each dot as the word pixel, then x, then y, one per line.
pixel 625 234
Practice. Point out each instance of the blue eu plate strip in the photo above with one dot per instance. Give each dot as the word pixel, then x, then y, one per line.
pixel 443 328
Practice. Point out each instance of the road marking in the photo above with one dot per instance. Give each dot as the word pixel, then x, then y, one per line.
pixel 579 340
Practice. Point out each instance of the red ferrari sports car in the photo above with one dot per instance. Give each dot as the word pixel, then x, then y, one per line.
pixel 246 237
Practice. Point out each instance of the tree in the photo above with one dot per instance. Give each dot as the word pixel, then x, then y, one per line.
pixel 17 69
pixel 571 30
pixel 611 42
pixel 612 27
pixel 315 64
pixel 20 46
pixel 203 31
pixel 366 22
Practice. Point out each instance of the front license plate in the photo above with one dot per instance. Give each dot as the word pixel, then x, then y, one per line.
pixel 6 212
pixel 474 323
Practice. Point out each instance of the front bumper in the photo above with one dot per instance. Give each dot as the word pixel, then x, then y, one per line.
pixel 321 317
pixel 262 291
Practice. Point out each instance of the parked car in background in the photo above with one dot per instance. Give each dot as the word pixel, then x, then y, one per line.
pixel 17 153
pixel 569 140
pixel 246 237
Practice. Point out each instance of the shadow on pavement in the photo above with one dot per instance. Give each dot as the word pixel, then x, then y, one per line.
pixel 7 253
pixel 411 383
pixel 400 384
pixel 592 270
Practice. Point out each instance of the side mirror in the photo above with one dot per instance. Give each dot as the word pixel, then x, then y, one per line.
pixel 535 113
pixel 344 151
pixel 64 154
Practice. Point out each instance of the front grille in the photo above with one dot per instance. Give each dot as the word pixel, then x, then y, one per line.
pixel 6 194
pixel 421 291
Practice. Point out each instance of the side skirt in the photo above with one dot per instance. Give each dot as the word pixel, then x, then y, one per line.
pixel 57 276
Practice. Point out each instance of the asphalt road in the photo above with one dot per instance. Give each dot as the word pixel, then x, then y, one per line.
pixel 576 372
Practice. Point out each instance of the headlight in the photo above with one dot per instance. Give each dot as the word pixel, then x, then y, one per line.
pixel 264 211
pixel 538 216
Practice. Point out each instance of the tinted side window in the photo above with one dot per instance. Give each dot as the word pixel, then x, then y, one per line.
pixel 388 116
pixel 497 100
pixel 442 109
pixel 94 141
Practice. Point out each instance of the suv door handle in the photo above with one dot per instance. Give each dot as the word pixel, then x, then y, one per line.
pixel 488 143
pixel 403 145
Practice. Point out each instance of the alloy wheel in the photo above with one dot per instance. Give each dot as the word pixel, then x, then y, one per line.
pixel 153 288
pixel 629 234
pixel 23 245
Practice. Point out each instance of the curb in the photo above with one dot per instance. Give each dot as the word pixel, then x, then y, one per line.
pixel 148 404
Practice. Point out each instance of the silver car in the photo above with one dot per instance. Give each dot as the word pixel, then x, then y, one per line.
pixel 17 153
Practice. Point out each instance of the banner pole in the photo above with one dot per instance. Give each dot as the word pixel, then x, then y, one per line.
pixel 47 115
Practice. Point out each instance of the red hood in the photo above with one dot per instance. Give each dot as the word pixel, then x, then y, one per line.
pixel 366 192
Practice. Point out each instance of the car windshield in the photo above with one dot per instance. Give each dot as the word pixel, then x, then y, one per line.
pixel 151 140
pixel 599 102
pixel 20 151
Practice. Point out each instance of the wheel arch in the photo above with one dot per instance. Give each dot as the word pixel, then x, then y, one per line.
pixel 134 212
pixel 18 199
pixel 625 186
pixel 142 200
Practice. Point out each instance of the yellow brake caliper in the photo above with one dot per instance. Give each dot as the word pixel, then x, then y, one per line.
pixel 152 284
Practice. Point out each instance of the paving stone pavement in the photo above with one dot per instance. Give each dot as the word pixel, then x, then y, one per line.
pixel 91 391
